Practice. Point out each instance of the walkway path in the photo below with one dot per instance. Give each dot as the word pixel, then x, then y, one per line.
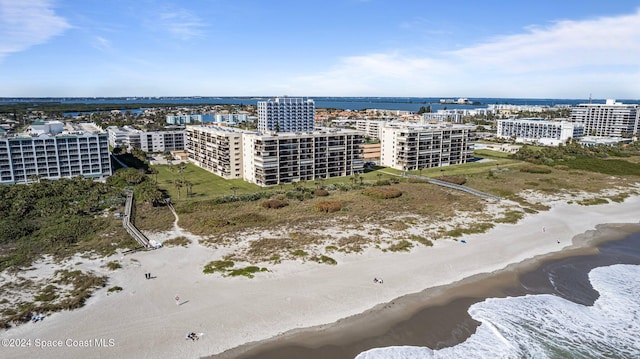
pixel 450 185
pixel 130 227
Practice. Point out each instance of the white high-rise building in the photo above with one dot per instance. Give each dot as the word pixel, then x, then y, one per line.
pixel 538 130
pixel 611 119
pixel 217 149
pixel 52 150
pixel 271 159
pixel 408 147
pixel 286 114
pixel 148 141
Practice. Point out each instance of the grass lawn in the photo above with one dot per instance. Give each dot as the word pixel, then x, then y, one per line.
pixel 491 154
pixel 206 185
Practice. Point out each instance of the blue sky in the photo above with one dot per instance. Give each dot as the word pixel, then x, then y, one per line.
pixel 454 48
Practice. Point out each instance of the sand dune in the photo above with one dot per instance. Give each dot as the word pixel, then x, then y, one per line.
pixel 144 321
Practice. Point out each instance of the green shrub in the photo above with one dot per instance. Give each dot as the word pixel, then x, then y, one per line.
pixel 403 245
pixel 113 265
pixel 324 259
pixel 421 239
pixel 535 169
pixel 246 271
pixel 453 179
pixel 299 253
pixel 178 241
pixel 330 248
pixel 47 294
pixel 593 201
pixel 217 266
pixel 115 289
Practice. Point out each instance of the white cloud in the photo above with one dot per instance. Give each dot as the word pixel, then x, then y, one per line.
pixel 563 59
pixel 610 41
pixel 101 43
pixel 181 23
pixel 24 24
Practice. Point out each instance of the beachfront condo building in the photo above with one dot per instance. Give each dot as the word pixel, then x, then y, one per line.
pixel 611 119
pixel 216 149
pixel 409 147
pixel 539 131
pixel 286 114
pixel 53 150
pixel 270 159
pixel 172 139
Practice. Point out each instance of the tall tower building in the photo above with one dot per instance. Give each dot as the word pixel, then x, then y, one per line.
pixel 611 119
pixel 286 114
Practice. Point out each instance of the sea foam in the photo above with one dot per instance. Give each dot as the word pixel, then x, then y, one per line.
pixel 547 326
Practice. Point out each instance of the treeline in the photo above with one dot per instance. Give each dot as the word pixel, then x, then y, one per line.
pixel 56 107
pixel 601 158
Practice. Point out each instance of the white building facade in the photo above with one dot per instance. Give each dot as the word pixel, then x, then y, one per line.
pixel 371 128
pixel 537 130
pixel 148 141
pixel 75 150
pixel 286 114
pixel 408 147
pixel 189 119
pixel 611 119
pixel 270 159
pixel 231 119
pixel 216 149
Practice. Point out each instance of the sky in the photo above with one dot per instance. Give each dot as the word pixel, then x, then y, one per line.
pixel 398 48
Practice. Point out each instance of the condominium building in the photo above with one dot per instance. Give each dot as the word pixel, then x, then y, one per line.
pixel 231 119
pixel 148 141
pixel 53 150
pixel 286 114
pixel 538 130
pixel 217 149
pixel 189 119
pixel 443 116
pixel 409 147
pixel 271 159
pixel 611 119
pixel 371 128
pixel 161 141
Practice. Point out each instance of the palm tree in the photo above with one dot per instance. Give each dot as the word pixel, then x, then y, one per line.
pixel 189 186
pixel 178 186
pixel 154 171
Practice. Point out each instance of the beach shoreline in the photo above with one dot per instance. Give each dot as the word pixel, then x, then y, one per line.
pixel 237 314
pixel 334 339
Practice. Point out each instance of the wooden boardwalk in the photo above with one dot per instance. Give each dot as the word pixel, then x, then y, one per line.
pixel 131 228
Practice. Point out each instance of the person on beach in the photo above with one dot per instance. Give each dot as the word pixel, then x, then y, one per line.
pixel 177 300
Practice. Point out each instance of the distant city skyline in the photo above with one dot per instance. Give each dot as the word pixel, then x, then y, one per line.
pixel 543 49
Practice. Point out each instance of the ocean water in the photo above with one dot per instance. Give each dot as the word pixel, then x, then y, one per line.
pixel 550 326
pixel 352 103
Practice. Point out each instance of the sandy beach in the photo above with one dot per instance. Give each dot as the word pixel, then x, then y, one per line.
pixel 145 321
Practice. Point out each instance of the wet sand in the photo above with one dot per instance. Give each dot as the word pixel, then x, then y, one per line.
pixel 438 317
